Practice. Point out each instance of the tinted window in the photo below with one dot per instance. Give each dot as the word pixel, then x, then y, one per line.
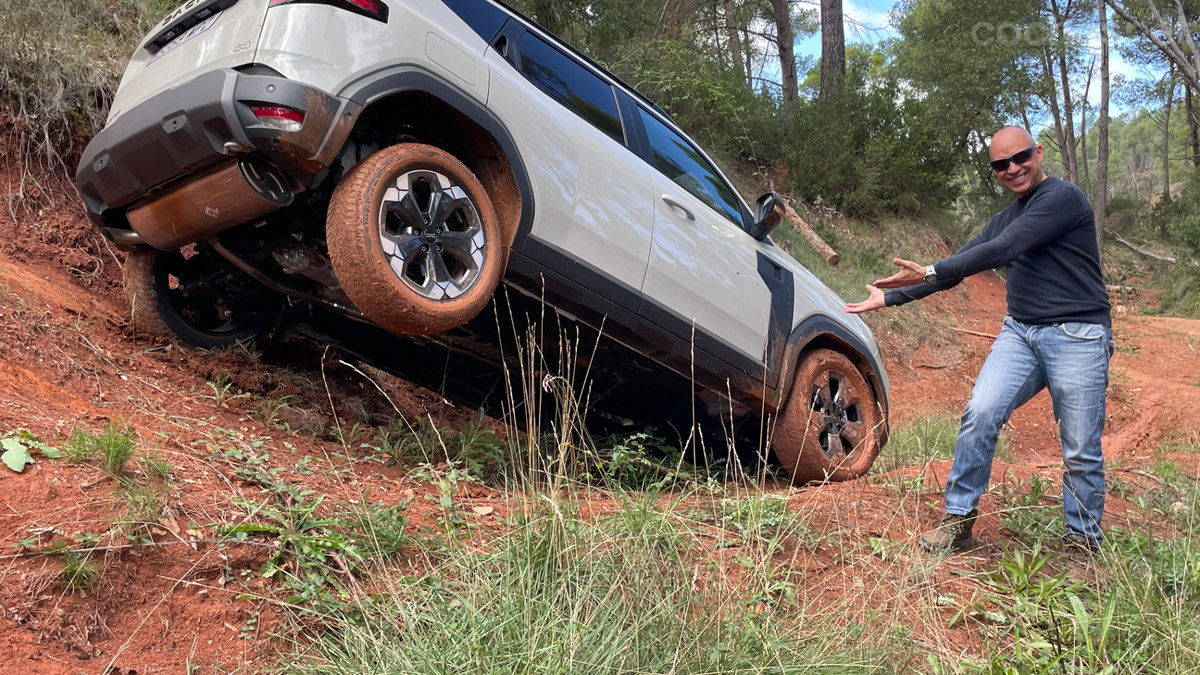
pixel 571 84
pixel 682 163
pixel 483 17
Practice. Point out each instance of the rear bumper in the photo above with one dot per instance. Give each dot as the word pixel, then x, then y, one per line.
pixel 189 128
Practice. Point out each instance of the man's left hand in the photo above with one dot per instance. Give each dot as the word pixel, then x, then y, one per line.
pixel 910 273
pixel 875 300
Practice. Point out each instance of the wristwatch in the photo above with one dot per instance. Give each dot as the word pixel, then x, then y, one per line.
pixel 930 275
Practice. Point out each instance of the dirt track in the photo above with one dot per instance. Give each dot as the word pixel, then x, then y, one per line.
pixel 68 360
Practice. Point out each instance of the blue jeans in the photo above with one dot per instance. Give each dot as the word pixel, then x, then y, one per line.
pixel 1071 360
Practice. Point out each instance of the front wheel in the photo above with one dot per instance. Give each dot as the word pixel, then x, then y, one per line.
pixel 829 426
pixel 414 240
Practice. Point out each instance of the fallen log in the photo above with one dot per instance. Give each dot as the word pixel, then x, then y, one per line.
pixel 810 235
pixel 975 333
pixel 1149 254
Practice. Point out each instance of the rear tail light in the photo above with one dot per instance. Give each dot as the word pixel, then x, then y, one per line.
pixel 278 117
pixel 374 9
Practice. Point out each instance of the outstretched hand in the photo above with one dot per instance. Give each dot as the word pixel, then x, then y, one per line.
pixel 874 301
pixel 910 273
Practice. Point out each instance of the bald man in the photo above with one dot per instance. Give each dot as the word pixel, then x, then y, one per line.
pixel 1057 336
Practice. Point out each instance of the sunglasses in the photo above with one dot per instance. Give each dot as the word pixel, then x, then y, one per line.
pixel 1001 165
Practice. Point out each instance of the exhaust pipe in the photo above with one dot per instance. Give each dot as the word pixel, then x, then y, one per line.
pixel 230 194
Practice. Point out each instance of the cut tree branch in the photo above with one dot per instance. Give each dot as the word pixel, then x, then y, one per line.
pixel 811 236
pixel 1149 254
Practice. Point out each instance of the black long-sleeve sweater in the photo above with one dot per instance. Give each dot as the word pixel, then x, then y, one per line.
pixel 1047 242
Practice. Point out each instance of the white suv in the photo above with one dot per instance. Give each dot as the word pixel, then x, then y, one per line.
pixel 370 172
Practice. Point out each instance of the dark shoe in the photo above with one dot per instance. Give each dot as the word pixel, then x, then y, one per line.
pixel 1077 544
pixel 953 534
pixel 1083 564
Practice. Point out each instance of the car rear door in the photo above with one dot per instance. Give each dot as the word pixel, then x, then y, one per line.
pixel 592 214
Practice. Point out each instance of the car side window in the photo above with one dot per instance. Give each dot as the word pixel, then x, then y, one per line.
pixel 571 84
pixel 678 160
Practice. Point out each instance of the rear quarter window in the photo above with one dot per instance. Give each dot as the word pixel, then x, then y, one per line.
pixel 571 84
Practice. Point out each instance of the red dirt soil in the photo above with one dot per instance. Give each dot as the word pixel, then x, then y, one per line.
pixel 69 361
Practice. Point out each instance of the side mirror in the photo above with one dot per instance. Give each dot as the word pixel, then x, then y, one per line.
pixel 768 212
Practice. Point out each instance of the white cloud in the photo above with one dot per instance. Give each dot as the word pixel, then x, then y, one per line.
pixel 866 23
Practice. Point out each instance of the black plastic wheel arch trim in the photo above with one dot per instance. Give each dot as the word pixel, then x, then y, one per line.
pixel 371 88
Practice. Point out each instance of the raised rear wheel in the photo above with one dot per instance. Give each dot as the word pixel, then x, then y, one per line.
pixel 414 240
pixel 829 426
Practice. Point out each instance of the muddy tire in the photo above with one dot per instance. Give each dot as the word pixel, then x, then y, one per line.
pixel 414 240
pixel 138 276
pixel 199 299
pixel 829 426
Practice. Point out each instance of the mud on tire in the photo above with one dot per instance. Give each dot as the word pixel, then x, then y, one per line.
pixel 414 240
pixel 829 426
pixel 141 296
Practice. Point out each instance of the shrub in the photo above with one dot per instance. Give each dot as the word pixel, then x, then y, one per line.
pixel 59 68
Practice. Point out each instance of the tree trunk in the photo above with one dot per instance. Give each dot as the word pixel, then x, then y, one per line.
pixel 833 46
pixel 781 10
pixel 1101 203
pixel 1048 70
pixel 1166 129
pixel 734 45
pixel 1193 125
pixel 1087 88
pixel 1070 160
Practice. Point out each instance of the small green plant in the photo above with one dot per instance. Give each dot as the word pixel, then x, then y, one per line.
pixel 755 515
pixel 112 448
pixel 925 439
pixel 1166 470
pixel 349 436
pixel 145 502
pixel 78 572
pixel 19 446
pixel 221 391
pixel 1127 349
pixel 249 629
pixel 447 477
pixel 638 461
pixel 404 442
pixel 1026 511
pixel 268 410
pixel 378 530
pixel 308 549
pixel 475 447
pixel 1034 610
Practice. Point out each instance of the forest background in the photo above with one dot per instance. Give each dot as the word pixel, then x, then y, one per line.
pixel 880 145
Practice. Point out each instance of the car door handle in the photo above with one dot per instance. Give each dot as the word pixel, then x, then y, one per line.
pixel 675 204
